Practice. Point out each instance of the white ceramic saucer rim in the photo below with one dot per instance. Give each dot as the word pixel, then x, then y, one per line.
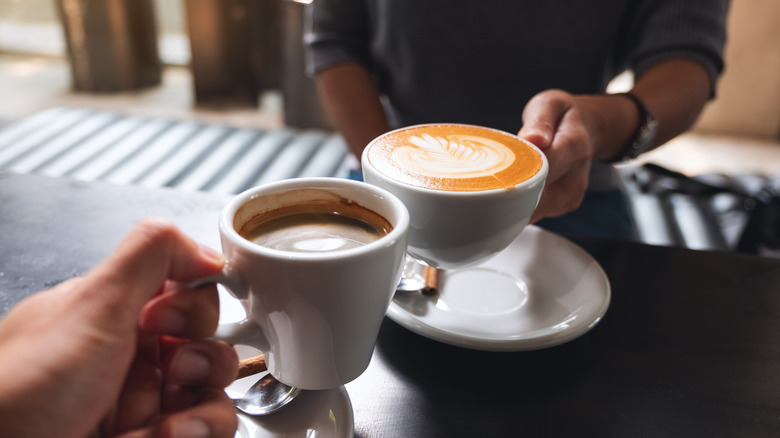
pixel 533 340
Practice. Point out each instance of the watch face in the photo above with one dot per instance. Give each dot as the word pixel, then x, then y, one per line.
pixel 646 134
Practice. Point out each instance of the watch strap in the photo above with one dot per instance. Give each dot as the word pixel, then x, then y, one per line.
pixel 643 137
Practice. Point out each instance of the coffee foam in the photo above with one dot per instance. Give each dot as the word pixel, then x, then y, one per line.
pixel 317 232
pixel 326 223
pixel 454 157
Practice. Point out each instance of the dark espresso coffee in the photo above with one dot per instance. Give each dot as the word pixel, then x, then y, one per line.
pixel 316 226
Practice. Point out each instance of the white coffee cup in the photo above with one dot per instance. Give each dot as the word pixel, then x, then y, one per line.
pixel 460 224
pixel 315 315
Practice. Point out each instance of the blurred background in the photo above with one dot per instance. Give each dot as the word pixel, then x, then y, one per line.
pixel 209 60
pixel 197 64
pixel 240 62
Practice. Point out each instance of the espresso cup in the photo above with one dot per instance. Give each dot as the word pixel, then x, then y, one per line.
pixel 315 262
pixel 470 190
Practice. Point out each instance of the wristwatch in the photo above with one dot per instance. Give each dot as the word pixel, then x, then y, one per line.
pixel 644 135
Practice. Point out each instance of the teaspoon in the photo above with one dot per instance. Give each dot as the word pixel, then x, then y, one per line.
pixel 267 395
pixel 428 283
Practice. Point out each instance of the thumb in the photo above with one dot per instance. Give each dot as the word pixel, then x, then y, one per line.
pixel 154 251
pixel 536 134
pixel 541 117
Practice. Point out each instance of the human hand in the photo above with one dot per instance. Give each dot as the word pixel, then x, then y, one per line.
pixel 557 123
pixel 121 351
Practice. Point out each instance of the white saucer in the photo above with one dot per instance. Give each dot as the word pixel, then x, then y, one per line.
pixel 543 290
pixel 326 413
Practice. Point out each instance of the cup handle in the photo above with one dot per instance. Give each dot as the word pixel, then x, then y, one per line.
pixel 244 332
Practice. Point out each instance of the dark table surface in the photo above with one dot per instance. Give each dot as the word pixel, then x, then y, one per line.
pixel 690 346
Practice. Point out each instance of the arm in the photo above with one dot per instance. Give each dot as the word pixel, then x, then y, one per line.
pixel 351 100
pixel 575 130
pixel 675 91
pixel 337 40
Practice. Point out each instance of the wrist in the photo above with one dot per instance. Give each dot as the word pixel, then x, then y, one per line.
pixel 611 121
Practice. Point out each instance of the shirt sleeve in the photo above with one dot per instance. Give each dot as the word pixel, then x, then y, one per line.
pixel 693 29
pixel 335 32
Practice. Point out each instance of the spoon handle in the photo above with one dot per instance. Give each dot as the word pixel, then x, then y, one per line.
pixel 252 365
pixel 431 276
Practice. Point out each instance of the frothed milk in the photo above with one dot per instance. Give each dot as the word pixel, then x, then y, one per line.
pixel 454 157
pixel 470 190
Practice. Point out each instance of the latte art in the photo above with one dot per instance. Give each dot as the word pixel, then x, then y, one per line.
pixel 454 157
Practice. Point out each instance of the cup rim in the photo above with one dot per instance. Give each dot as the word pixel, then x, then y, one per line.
pixel 322 183
pixel 537 178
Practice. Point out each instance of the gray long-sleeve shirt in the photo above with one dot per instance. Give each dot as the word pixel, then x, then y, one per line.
pixel 480 61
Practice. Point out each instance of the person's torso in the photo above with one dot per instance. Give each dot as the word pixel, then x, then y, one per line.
pixel 480 61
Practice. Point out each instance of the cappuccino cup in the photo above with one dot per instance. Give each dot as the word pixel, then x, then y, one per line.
pixel 315 262
pixel 470 190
